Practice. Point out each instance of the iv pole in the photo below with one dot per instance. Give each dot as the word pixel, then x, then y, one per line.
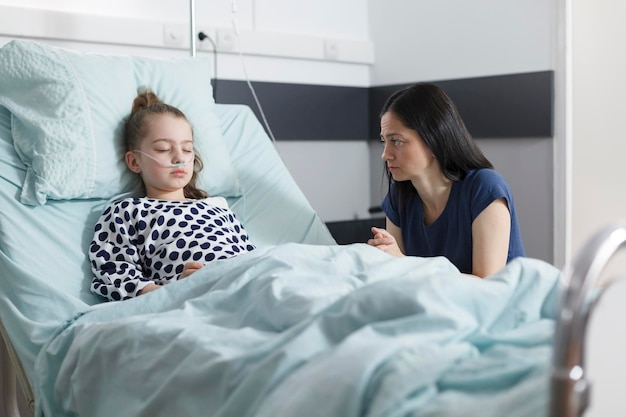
pixel 192 25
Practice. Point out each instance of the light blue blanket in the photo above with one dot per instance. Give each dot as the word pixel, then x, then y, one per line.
pixel 304 330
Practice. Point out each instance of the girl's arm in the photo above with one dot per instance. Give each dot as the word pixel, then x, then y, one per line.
pixel 115 263
pixel 149 288
pixel 116 272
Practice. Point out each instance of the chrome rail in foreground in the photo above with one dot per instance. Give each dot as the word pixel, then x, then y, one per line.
pixel 13 372
pixel 569 386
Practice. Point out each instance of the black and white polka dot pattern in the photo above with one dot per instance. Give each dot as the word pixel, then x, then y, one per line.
pixel 143 240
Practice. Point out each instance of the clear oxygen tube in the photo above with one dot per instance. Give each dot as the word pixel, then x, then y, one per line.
pixel 163 165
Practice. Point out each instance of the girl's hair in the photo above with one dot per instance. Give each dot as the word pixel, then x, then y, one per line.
pixel 145 106
pixel 428 110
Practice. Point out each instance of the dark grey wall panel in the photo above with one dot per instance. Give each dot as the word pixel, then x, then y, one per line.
pixel 503 106
pixel 303 111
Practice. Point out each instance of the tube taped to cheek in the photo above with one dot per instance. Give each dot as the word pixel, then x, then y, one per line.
pixel 161 164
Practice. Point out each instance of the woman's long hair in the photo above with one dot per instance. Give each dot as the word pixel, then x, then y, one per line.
pixel 145 105
pixel 428 110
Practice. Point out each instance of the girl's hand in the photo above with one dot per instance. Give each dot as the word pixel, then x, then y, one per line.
pixel 384 241
pixel 190 268
pixel 148 288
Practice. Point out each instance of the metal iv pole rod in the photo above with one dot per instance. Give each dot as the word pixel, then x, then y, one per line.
pixel 192 25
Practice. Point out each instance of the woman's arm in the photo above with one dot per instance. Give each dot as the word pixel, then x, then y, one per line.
pixel 491 232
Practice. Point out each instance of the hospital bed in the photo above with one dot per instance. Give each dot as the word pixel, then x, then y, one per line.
pixel 299 326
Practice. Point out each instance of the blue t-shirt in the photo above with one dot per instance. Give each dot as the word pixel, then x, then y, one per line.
pixel 451 234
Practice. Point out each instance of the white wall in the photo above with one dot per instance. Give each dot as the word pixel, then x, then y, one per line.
pixel 598 65
pixel 293 37
pixel 598 106
pixel 447 39
pixel 346 19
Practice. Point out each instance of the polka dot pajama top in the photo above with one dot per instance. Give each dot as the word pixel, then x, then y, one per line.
pixel 142 240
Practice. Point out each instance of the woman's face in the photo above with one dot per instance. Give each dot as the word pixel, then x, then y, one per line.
pixel 405 153
pixel 168 140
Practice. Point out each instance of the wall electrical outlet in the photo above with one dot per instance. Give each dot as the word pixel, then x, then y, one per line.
pixel 225 40
pixel 331 50
pixel 173 35
pixel 206 44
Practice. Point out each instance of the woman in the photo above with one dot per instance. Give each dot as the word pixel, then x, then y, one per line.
pixel 444 197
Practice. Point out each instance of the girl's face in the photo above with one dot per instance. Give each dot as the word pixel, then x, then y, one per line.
pixel 168 140
pixel 405 153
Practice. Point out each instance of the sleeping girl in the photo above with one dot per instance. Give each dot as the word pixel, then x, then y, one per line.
pixel 140 244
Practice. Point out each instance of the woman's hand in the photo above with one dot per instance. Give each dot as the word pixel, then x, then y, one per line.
pixel 385 241
pixel 190 268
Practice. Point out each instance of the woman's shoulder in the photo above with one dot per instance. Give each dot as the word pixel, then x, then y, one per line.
pixel 486 184
pixel 485 176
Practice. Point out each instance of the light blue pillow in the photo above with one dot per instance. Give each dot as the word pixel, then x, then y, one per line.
pixel 68 110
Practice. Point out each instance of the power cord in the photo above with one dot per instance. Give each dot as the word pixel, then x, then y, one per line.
pixel 256 99
pixel 233 12
pixel 202 36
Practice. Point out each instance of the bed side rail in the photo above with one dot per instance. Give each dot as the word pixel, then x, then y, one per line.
pixel 569 386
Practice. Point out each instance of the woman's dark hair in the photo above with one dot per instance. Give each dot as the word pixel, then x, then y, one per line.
pixel 428 110
pixel 145 105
